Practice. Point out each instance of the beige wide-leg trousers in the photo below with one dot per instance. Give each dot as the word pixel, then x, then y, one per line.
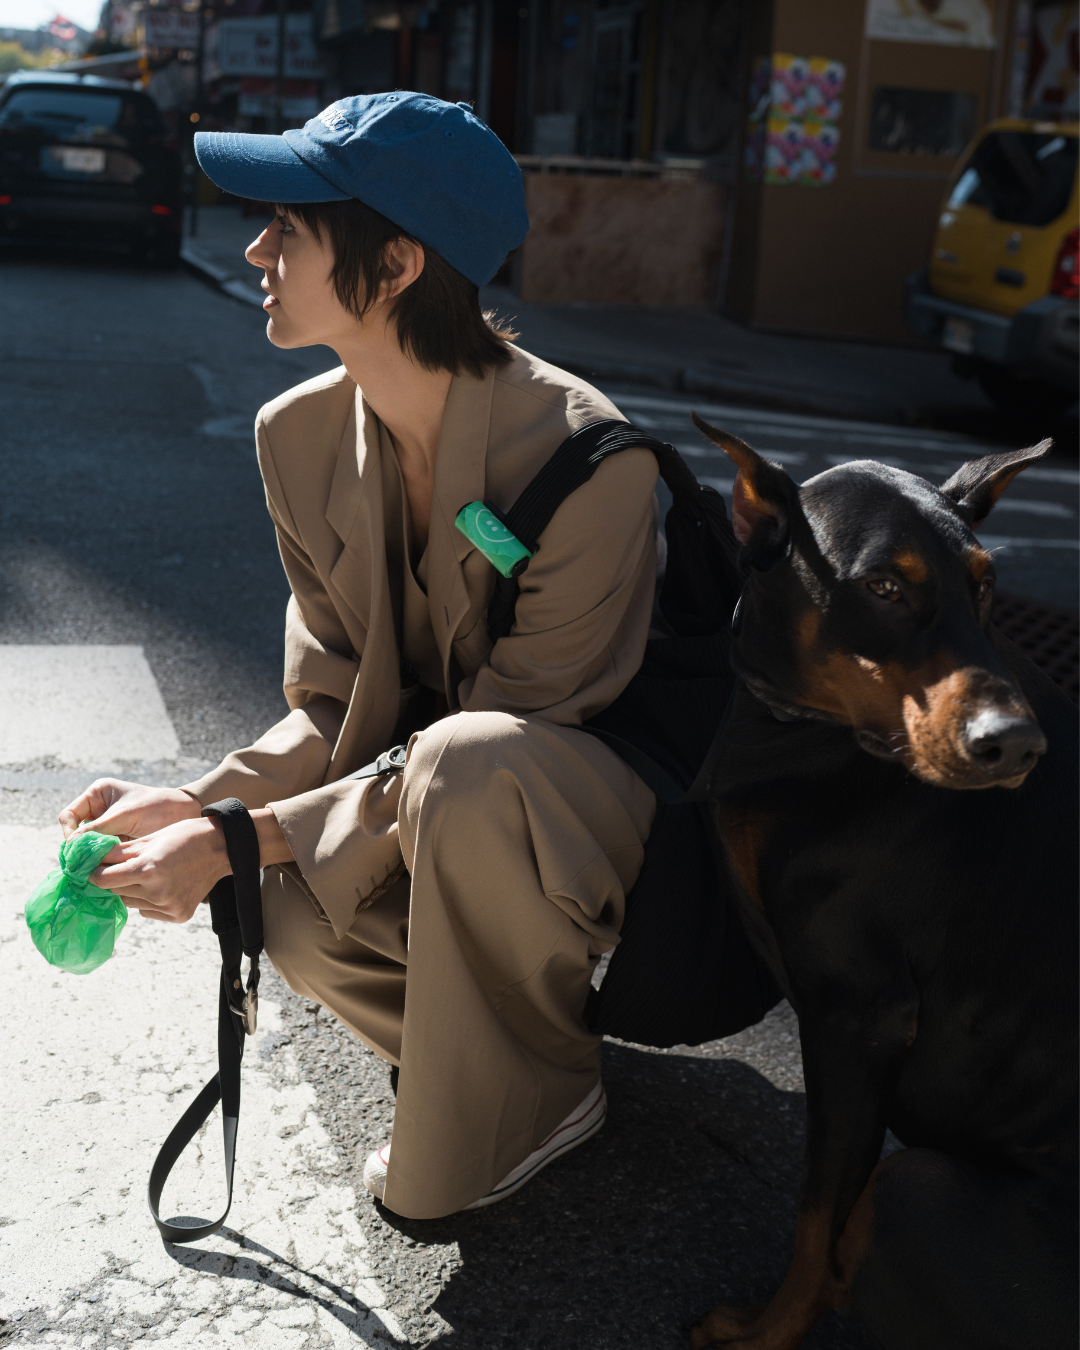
pixel 521 840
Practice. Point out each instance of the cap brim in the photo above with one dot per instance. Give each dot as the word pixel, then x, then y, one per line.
pixel 263 168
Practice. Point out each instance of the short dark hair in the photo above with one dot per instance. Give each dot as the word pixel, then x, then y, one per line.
pixel 439 320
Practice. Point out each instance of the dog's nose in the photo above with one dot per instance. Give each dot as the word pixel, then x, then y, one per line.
pixel 1003 744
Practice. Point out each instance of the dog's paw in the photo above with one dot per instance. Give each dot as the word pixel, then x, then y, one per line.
pixel 725 1326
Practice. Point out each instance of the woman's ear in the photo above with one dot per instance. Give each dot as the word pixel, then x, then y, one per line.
pixel 403 261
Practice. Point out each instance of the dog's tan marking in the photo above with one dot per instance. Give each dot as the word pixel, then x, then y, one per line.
pixel 809 1289
pixel 911 566
pixel 744 834
pixel 919 711
pixel 935 717
pixel 978 561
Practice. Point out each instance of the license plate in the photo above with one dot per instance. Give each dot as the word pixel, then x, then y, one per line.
pixel 959 336
pixel 74 160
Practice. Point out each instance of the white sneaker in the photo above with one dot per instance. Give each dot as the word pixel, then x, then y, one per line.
pixel 581 1124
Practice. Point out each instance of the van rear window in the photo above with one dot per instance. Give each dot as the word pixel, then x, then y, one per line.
pixel 1021 177
pixel 65 111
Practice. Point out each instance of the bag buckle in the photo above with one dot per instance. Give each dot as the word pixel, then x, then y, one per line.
pixel 248 1011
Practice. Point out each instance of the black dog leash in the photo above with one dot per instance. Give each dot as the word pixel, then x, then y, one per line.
pixel 236 914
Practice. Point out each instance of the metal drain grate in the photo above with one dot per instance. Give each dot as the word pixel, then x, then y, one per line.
pixel 1050 636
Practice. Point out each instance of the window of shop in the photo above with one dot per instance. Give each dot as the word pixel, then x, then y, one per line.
pixel 920 121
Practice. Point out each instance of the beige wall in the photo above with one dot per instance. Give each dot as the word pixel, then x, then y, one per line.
pixel 833 259
pixel 621 241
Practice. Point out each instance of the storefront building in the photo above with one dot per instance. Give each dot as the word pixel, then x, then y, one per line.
pixel 781 160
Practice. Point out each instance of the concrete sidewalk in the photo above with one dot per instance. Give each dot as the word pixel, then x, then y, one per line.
pixel 693 350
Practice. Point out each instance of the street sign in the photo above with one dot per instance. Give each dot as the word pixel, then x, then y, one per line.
pixel 258 98
pixel 174 28
pixel 249 47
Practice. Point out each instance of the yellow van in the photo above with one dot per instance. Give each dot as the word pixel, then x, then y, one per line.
pixel 1000 290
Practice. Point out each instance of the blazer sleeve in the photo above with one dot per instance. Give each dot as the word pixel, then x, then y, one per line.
pixel 583 613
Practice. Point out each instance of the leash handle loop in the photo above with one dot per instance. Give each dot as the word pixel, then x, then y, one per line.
pixel 236 913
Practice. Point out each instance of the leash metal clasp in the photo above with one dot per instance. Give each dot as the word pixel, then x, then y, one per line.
pixel 248 1011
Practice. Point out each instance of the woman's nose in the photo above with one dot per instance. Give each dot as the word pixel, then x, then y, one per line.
pixel 260 252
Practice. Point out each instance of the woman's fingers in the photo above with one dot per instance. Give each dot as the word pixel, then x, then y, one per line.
pixel 112 806
pixel 125 822
pixel 97 798
pixel 166 874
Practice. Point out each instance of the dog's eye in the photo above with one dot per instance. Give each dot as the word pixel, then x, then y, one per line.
pixel 884 588
pixel 986 589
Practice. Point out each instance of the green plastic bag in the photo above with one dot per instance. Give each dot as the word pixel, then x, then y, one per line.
pixel 74 924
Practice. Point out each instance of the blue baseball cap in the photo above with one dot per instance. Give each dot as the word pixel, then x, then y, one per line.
pixel 431 167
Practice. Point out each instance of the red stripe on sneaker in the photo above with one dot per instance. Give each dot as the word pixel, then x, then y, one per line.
pixel 570 1124
pixel 542 1162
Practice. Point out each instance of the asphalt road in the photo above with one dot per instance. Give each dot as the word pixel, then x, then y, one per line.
pixel 132 515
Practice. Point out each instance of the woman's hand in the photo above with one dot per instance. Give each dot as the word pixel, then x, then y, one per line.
pixel 166 874
pixel 128 810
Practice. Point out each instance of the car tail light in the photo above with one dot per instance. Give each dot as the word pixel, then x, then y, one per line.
pixel 5 201
pixel 1065 270
pixel 161 210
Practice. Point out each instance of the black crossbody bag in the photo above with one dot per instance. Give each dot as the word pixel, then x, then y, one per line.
pixel 684 971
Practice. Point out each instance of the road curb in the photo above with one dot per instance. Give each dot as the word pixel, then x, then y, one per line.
pixel 693 380
pixel 221 277
pixel 675 379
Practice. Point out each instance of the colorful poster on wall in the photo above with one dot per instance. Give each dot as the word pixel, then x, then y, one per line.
pixel 800 151
pixel 825 89
pixel 787 87
pixel 792 130
pixel 952 23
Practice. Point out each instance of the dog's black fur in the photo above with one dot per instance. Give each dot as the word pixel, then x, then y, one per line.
pixel 925 931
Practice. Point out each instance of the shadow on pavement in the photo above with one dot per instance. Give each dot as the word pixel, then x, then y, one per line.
pixel 686 1198
pixel 247 1265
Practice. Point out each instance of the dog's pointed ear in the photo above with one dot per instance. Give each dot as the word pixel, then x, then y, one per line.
pixel 976 486
pixel 761 502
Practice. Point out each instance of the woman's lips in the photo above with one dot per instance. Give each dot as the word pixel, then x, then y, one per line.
pixel 270 302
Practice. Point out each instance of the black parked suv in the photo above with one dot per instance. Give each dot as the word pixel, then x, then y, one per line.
pixel 86 159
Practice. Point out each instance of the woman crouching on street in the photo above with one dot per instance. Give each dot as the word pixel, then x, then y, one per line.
pixel 451 914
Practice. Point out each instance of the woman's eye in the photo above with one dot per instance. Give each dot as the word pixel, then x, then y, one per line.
pixel 286 228
pixel 884 588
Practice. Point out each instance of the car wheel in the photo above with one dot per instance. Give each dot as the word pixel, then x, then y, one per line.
pixel 1020 397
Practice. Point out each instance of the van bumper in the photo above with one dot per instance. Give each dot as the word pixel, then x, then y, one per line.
pixel 1042 340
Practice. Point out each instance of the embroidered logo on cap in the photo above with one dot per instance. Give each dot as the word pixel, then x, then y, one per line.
pixel 334 119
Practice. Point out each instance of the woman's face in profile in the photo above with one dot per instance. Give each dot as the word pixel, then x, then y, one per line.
pixel 302 309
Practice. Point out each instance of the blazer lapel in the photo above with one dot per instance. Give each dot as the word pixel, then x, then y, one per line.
pixel 359 583
pixel 460 477
pixel 355 502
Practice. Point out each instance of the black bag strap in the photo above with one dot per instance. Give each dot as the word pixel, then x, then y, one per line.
pixel 659 780
pixel 236 915
pixel 573 464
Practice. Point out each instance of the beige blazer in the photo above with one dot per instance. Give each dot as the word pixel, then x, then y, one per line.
pixel 582 617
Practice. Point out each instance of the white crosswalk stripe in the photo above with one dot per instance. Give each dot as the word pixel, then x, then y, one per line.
pixel 81 705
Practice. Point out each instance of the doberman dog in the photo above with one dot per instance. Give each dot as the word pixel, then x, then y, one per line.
pixel 925 932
